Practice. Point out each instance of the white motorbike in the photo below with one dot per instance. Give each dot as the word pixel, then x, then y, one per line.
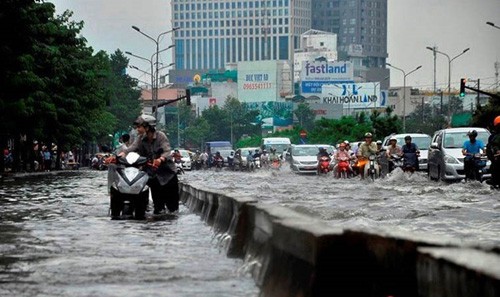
pixel 128 186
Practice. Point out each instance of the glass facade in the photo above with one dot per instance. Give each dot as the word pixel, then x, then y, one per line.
pixel 215 32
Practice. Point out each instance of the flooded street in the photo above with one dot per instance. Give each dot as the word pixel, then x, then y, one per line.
pixel 468 212
pixel 56 239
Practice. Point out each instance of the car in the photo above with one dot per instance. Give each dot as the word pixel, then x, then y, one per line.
pixel 422 141
pixel 446 161
pixel 186 159
pixel 303 158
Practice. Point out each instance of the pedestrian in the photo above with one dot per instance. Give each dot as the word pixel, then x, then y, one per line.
pixel 47 159
pixel 493 153
pixel 155 146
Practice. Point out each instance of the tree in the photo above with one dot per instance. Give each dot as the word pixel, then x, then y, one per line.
pixel 305 115
pixel 484 116
pixel 384 125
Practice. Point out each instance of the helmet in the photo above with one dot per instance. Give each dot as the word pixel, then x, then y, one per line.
pixel 393 138
pixel 368 135
pixel 145 120
pixel 407 137
pixel 496 121
pixel 379 141
pixel 472 133
pixel 217 153
pixel 321 148
pixel 346 142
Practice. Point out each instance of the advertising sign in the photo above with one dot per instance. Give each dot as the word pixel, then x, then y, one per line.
pixel 272 113
pixel 257 81
pixel 354 95
pixel 315 74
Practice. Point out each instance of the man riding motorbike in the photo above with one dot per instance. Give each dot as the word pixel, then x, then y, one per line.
pixel 411 154
pixel 323 160
pixel 470 149
pixel 493 153
pixel 393 152
pixel 274 158
pixel 156 146
pixel 343 158
pixel 365 150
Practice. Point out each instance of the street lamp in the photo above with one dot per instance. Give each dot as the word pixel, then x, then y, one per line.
pixel 433 49
pixel 492 24
pixel 152 76
pixel 155 76
pixel 404 90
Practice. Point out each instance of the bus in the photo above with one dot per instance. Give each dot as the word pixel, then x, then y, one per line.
pixel 279 143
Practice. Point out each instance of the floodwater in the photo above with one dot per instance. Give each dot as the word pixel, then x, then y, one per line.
pixel 465 212
pixel 56 239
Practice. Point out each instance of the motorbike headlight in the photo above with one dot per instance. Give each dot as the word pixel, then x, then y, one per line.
pixel 451 160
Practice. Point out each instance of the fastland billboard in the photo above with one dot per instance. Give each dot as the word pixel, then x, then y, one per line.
pixel 315 74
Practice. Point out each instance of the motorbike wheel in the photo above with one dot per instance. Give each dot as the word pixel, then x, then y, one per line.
pixel 116 204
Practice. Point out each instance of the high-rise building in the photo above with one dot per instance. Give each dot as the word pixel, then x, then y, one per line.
pixel 361 28
pixel 214 33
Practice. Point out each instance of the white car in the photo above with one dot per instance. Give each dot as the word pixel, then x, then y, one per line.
pixel 446 161
pixel 303 158
pixel 186 159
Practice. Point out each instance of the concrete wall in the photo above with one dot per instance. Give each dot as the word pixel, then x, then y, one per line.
pixel 290 254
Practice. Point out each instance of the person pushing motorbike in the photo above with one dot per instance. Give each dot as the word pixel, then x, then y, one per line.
pixel 156 146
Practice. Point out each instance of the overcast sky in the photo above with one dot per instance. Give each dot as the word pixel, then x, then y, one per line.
pixel 451 25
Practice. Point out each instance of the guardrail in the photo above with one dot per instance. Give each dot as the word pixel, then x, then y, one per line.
pixel 291 254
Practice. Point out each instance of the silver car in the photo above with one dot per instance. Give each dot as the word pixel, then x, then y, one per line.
pixel 446 161
pixel 303 158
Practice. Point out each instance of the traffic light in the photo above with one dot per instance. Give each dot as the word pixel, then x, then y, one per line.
pixel 188 97
pixel 462 86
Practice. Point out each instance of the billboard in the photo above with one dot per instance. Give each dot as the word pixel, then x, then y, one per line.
pixel 257 81
pixel 315 74
pixel 354 95
pixel 272 113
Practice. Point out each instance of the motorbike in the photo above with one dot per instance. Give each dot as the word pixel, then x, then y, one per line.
pixel 276 164
pixel 127 183
pixel 178 167
pixel 395 161
pixel 343 168
pixel 371 170
pixel 256 161
pixel 218 164
pixel 198 164
pixel 477 170
pixel 324 165
pixel 410 162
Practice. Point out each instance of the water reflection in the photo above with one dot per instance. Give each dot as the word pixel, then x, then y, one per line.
pixel 56 239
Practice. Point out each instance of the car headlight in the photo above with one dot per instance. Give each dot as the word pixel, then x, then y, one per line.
pixel 451 160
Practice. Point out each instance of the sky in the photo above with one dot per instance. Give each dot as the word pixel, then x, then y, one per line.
pixel 450 25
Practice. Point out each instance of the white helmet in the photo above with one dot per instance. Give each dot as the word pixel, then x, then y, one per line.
pixel 393 138
pixel 145 119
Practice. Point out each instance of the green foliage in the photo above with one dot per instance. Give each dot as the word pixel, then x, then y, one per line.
pixel 484 115
pixel 305 115
pixel 385 124
pixel 52 87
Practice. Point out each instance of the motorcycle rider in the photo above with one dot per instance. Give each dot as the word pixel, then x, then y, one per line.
pixel 493 152
pixel 393 149
pixel 365 150
pixel 322 153
pixel 155 145
pixel 178 160
pixel 238 160
pixel 342 154
pixel 218 159
pixel 230 160
pixel 470 148
pixel 264 159
pixel 250 164
pixel 411 153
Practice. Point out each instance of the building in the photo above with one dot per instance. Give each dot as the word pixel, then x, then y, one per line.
pixel 361 28
pixel 214 33
pixel 314 45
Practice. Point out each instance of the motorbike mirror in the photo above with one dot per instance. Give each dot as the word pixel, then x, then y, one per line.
pixel 434 145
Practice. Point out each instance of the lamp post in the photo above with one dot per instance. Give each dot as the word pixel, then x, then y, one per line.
pixel 492 24
pixel 155 73
pixel 152 76
pixel 433 49
pixel 404 90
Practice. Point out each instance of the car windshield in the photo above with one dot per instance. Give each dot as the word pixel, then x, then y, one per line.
pixel 280 147
pixel 457 139
pixel 305 151
pixel 184 153
pixel 422 142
